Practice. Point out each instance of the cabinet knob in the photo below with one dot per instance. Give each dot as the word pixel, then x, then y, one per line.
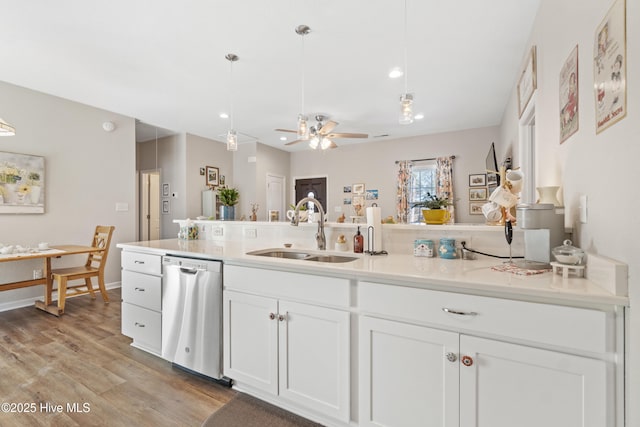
pixel 281 317
pixel 451 357
pixel 467 360
pixel 272 316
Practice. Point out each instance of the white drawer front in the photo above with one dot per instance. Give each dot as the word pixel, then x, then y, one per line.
pixel 142 289
pixel 143 263
pixel 143 325
pixel 306 287
pixel 579 328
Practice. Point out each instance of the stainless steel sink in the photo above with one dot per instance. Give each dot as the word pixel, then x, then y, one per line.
pixel 277 253
pixel 302 255
pixel 330 258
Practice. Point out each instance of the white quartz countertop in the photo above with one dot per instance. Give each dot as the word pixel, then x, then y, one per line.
pixel 463 276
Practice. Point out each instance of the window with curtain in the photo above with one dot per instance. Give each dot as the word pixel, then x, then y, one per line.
pixel 423 182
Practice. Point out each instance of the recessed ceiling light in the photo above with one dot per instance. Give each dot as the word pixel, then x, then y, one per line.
pixel 283 138
pixel 419 116
pixel 395 73
pixel 224 116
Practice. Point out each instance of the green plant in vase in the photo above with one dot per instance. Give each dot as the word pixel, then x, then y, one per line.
pixel 229 197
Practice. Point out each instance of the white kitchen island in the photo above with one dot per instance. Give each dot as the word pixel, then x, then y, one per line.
pixel 402 340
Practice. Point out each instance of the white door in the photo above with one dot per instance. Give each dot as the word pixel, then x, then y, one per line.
pixel 275 195
pixel 250 329
pixel 314 358
pixel 408 375
pixel 511 385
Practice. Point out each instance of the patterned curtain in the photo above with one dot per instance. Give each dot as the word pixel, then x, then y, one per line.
pixel 402 198
pixel 444 182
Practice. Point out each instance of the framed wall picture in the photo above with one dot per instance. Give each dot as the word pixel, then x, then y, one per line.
pixel 212 176
pixel 22 183
pixel 609 67
pixel 357 188
pixel 475 208
pixel 569 96
pixel 478 180
pixel 477 194
pixel 528 81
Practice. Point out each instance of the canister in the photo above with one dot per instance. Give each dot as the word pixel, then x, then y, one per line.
pixel 447 249
pixel 424 247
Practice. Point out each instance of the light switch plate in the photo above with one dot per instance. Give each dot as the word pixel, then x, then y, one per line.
pixel 122 207
pixel 583 209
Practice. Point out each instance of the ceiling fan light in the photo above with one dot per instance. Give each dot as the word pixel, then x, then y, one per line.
pixel 313 142
pixel 6 129
pixel 232 140
pixel 395 73
pixel 325 143
pixel 406 109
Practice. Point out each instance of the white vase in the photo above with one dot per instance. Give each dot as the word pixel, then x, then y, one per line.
pixel 35 194
pixel 549 195
pixel 10 193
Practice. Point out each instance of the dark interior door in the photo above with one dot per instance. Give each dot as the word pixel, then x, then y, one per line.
pixel 312 187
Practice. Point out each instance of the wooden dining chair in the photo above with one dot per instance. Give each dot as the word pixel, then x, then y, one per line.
pixel 94 267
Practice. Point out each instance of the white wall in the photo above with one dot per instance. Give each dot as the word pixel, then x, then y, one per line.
pixel 87 172
pixel 374 165
pixel 604 166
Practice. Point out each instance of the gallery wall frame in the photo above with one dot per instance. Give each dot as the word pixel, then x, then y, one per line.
pixel 528 81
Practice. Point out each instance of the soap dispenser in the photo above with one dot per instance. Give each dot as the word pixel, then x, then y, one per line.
pixel 358 242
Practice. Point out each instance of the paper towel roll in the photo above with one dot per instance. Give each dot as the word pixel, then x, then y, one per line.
pixel 374 219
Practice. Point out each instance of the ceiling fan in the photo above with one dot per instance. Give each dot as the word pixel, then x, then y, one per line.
pixel 321 134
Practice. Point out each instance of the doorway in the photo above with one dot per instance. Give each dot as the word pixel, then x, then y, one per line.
pixel 275 194
pixel 149 205
pixel 311 187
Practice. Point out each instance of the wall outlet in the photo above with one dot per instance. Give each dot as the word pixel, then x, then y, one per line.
pixel 217 231
pixel 251 233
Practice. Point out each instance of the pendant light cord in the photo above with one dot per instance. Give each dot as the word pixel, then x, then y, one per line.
pixel 406 71
pixel 302 79
pixel 231 92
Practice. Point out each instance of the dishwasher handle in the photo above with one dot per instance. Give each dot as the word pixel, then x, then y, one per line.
pixel 187 270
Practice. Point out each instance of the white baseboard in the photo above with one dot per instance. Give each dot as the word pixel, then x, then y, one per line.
pixel 12 305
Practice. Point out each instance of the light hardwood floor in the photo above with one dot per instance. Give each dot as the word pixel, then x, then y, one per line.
pixel 82 358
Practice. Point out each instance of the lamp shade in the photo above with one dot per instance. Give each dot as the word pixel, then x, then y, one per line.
pixel 6 129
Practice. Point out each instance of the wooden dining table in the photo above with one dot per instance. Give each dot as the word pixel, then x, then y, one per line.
pixel 46 255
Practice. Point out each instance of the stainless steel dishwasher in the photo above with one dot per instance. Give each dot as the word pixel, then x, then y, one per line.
pixel 192 315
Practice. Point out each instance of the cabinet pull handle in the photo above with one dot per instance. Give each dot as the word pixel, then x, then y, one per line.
pixel 139 289
pixel 281 317
pixel 459 313
pixel 272 316
pixel 140 325
pixel 138 262
pixel 467 360
pixel 451 357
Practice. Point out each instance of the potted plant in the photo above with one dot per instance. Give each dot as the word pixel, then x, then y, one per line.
pixel 434 211
pixel 229 198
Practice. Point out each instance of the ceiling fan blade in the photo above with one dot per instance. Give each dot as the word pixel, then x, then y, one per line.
pixel 294 142
pixel 347 135
pixel 286 130
pixel 328 127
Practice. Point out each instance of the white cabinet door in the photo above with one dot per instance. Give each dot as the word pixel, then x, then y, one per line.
pixel 250 329
pixel 314 358
pixel 405 377
pixel 512 385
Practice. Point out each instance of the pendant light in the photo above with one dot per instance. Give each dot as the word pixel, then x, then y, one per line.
pixel 303 128
pixel 6 129
pixel 406 99
pixel 232 135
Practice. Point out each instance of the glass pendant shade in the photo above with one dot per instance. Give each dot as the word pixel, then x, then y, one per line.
pixel 232 140
pixel 325 143
pixel 406 109
pixel 313 143
pixel 6 129
pixel 303 129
